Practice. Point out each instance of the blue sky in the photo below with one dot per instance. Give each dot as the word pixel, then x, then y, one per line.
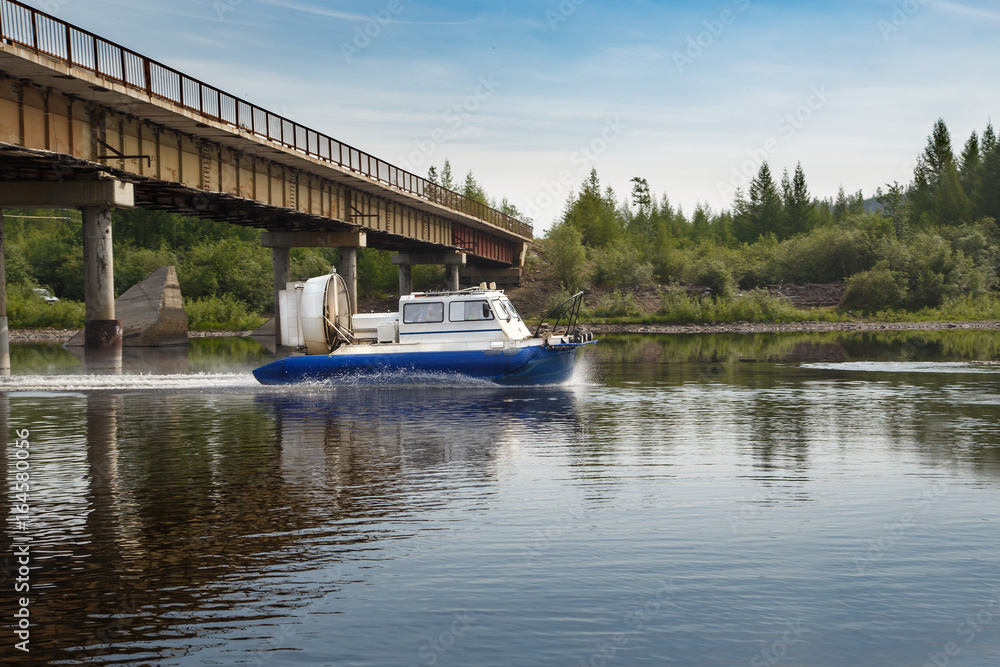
pixel 531 95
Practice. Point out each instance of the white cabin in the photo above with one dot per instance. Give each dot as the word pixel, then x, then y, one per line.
pixel 315 315
pixel 476 314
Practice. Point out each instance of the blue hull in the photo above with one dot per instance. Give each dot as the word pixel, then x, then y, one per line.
pixel 537 365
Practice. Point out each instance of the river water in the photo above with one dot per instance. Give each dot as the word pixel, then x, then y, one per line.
pixel 792 499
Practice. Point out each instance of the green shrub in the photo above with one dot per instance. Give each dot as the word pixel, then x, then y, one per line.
pixel 567 256
pixel 752 306
pixel 616 305
pixel 220 313
pixel 233 266
pixel 876 289
pixel 621 265
pixel 27 311
pixel 715 275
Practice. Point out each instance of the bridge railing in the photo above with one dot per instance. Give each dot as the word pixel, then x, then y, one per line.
pixel 43 33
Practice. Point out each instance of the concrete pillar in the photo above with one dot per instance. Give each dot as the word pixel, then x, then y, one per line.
pixel 282 257
pixel 4 339
pixel 101 329
pixel 452 272
pixel 349 271
pixel 405 280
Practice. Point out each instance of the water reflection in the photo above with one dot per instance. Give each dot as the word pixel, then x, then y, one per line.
pixel 200 520
pixel 174 508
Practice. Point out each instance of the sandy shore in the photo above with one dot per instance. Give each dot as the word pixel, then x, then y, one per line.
pixel 59 336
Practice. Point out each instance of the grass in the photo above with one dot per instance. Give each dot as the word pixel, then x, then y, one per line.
pixel 225 313
pixel 27 311
pixel 679 307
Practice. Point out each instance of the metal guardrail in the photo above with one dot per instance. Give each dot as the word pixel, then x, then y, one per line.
pixel 43 33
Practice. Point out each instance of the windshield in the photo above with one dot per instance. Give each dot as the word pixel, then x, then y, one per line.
pixel 510 308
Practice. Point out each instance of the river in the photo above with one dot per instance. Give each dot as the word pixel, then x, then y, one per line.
pixel 792 499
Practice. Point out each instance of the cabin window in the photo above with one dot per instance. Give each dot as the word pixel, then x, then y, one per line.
pixel 419 313
pixel 470 311
pixel 501 311
pixel 510 309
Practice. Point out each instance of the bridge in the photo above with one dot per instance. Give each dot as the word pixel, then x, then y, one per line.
pixel 89 124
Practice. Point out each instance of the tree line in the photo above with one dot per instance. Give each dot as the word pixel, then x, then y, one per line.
pixel 910 246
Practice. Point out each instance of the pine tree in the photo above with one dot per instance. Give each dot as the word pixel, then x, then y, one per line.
pixel 896 207
pixel 937 196
pixel 968 172
pixel 800 211
pixel 766 211
pixel 594 214
pixel 472 189
pixel 446 179
pixel 840 206
pixel 988 201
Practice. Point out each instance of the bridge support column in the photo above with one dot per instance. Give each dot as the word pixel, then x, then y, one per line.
pixel 95 197
pixel 101 331
pixel 282 259
pixel 405 279
pixel 453 261
pixel 349 270
pixel 451 276
pixel 281 244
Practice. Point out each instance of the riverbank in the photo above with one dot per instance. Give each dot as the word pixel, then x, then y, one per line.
pixel 59 336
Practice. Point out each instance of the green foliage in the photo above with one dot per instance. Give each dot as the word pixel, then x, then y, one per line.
pixel 567 256
pixel 594 215
pixel 427 277
pixel 311 262
pixel 752 306
pixel 220 313
pixel 377 275
pixel 876 289
pixel 621 265
pixel 27 311
pixel 715 275
pixel 615 305
pixel 133 264
pixel 234 267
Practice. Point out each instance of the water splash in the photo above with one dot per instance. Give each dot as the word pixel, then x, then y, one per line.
pixel 152 382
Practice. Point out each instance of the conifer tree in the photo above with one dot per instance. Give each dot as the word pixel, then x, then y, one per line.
pixel 764 210
pixel 968 172
pixel 447 182
pixel 937 195
pixel 840 206
pixel 800 211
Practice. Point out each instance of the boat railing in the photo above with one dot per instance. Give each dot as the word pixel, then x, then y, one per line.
pixel 566 314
